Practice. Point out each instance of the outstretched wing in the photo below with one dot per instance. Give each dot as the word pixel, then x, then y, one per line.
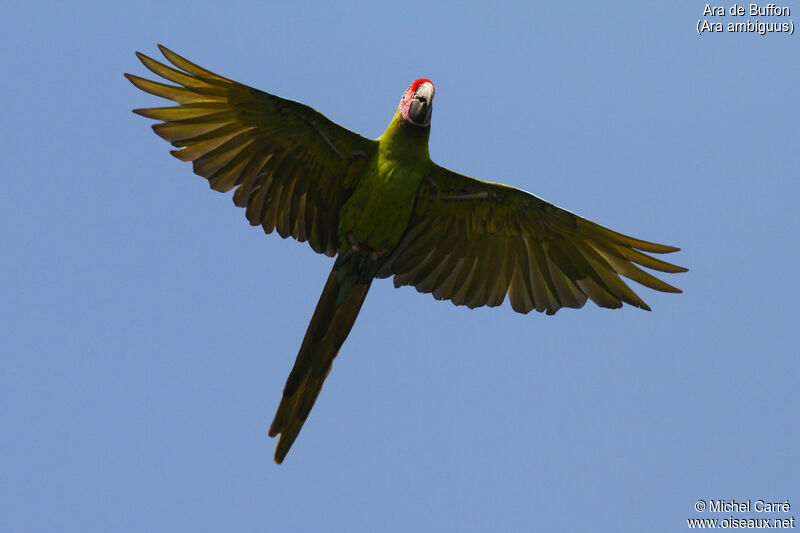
pixel 293 168
pixel 473 242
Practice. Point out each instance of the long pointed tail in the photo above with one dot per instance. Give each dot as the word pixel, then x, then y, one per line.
pixel 333 318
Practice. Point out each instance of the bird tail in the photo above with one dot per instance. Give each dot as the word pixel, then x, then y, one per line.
pixel 333 318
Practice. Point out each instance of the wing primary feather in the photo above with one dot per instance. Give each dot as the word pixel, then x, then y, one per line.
pixel 494 257
pixel 300 220
pixel 462 284
pixel 172 92
pixel 171 74
pixel 176 132
pixel 638 257
pixel 299 191
pixel 477 292
pixel 230 175
pixel 208 110
pixel 609 278
pixel 520 291
pixel 406 256
pixel 248 179
pixel 598 294
pixel 543 286
pixel 435 268
pixel 285 208
pixel 282 181
pixel 568 293
pixel 216 160
pixel 499 280
pixel 424 275
pixel 188 66
pixel 201 148
pixel 591 229
pixel 258 200
pixel 631 271
pixel 269 219
pixel 428 278
pixel 452 271
pixel 444 274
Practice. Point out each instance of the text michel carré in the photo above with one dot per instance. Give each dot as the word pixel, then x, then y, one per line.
pixel 769 10
pixel 759 506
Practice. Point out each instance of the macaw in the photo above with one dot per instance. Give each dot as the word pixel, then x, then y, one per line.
pixel 383 208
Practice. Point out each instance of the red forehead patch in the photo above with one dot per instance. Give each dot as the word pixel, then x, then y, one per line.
pixel 417 83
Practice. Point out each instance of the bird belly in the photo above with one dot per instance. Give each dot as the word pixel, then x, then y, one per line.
pixel 378 212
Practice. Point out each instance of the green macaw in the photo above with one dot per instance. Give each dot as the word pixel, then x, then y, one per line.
pixel 384 209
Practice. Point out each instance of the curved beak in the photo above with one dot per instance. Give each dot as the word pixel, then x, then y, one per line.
pixel 422 105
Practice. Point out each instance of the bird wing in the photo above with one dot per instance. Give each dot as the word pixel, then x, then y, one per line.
pixel 473 242
pixel 292 167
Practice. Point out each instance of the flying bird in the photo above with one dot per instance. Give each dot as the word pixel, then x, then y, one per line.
pixel 383 208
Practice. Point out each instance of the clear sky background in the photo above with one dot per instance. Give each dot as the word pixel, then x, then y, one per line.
pixel 146 330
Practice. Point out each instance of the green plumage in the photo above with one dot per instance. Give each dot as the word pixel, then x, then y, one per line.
pixel 380 207
pixel 384 209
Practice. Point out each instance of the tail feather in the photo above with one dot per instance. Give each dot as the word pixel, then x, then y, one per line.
pixel 332 321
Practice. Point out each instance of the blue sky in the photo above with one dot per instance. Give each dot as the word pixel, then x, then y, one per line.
pixel 146 329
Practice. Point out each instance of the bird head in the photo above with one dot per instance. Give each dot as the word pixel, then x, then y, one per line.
pixel 416 105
